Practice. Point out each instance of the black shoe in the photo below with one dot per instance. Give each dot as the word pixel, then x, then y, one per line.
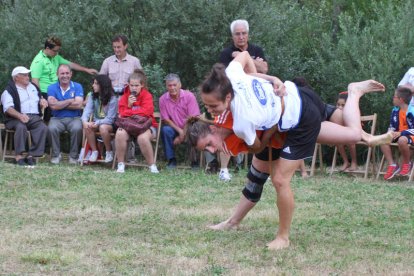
pixel 172 164
pixel 31 161
pixel 21 162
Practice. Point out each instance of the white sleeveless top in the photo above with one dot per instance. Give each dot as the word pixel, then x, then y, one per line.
pixel 256 107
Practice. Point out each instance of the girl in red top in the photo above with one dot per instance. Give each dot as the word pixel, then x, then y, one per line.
pixel 136 100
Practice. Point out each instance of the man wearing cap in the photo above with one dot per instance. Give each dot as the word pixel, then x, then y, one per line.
pixel 176 105
pixel 22 104
pixel 65 98
pixel 45 64
pixel 119 66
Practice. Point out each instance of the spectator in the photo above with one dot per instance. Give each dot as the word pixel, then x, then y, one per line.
pixel 136 100
pixel 408 80
pixel 346 166
pixel 240 34
pixel 176 105
pixel 65 98
pixel 103 104
pixel 22 104
pixel 119 66
pixel 402 124
pixel 45 64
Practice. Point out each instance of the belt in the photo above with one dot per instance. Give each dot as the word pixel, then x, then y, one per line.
pixel 32 114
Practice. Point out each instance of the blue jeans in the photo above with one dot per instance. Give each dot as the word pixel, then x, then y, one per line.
pixel 168 135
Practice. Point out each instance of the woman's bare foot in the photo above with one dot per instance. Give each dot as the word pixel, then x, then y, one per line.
pixel 225 225
pixel 362 87
pixel 278 243
pixel 376 140
pixel 352 168
pixel 344 167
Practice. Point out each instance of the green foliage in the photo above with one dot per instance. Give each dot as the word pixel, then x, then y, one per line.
pixel 331 43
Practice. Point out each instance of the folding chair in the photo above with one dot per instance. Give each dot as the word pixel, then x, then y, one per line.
pixel 155 141
pixel 316 153
pixel 367 121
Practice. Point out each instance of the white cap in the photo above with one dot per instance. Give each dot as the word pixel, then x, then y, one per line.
pixel 20 70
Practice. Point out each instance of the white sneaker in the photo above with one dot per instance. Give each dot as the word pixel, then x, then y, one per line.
pixel 153 168
pixel 56 160
pixel 121 167
pixel 109 157
pixel 73 161
pixel 224 175
pixel 94 156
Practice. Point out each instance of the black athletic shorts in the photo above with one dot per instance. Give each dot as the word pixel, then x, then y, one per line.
pixel 329 110
pixel 300 141
pixel 264 154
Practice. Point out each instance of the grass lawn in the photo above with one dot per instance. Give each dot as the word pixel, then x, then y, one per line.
pixel 92 221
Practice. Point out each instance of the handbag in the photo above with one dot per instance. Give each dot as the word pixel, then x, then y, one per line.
pixel 134 125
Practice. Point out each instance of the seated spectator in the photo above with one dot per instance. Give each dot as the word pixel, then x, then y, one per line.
pixel 22 104
pixel 346 166
pixel 401 124
pixel 136 100
pixel 176 105
pixel 103 104
pixel 65 99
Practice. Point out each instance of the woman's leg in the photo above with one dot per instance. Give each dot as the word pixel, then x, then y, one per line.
pixel 144 142
pixel 91 138
pixel 351 133
pixel 284 170
pixel 121 139
pixel 261 170
pixel 105 131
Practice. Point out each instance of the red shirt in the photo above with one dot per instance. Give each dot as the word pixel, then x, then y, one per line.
pixel 233 145
pixel 143 106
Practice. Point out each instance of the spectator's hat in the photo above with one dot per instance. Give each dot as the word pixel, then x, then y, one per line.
pixel 20 70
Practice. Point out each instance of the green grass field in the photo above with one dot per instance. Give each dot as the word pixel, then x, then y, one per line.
pixel 92 221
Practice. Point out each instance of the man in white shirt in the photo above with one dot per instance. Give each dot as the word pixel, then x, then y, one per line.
pixel 22 103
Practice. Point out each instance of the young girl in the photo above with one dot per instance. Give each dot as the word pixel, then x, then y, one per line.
pixel 346 166
pixel 300 113
pixel 136 100
pixel 104 106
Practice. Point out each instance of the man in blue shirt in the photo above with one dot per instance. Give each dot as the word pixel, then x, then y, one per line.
pixel 65 98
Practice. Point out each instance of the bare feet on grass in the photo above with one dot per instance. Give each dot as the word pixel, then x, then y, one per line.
pixel 363 87
pixel 278 243
pixel 225 225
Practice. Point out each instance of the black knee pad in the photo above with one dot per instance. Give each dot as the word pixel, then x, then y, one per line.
pixel 254 186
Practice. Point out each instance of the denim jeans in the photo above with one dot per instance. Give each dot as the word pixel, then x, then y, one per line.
pixel 168 135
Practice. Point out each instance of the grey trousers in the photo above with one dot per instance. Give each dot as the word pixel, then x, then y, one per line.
pixel 71 124
pixel 38 132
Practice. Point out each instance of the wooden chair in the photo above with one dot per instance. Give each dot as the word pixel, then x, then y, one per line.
pixel 317 153
pixel 394 148
pixel 368 121
pixel 155 141
pixel 2 128
pixel 7 151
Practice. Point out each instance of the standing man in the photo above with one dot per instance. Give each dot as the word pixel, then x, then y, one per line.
pixel 45 64
pixel 65 98
pixel 240 35
pixel 22 104
pixel 120 65
pixel 176 105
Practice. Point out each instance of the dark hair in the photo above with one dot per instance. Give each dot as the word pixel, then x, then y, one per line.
pixel 52 42
pixel 343 95
pixel 404 93
pixel 217 82
pixel 196 128
pixel 106 90
pixel 138 74
pixel 301 82
pixel 121 38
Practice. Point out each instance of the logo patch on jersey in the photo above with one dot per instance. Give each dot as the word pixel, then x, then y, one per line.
pixel 287 150
pixel 259 92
